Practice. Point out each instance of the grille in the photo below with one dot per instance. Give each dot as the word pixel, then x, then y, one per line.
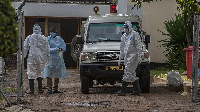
pixel 107 55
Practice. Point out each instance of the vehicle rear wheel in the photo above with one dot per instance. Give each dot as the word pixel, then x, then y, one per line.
pixel 145 82
pixel 85 83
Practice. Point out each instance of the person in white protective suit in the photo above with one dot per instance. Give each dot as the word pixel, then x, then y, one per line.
pixel 56 67
pixel 39 52
pixel 130 49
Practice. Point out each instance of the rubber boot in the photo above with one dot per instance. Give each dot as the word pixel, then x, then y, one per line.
pixel 136 86
pixel 39 79
pixel 55 88
pixel 123 89
pixel 49 85
pixel 31 85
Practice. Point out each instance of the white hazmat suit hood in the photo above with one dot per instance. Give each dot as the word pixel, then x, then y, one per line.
pixel 36 29
pixel 128 27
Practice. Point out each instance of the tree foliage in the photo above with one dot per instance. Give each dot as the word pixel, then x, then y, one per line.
pixel 188 8
pixel 176 41
pixel 8 29
pixel 139 2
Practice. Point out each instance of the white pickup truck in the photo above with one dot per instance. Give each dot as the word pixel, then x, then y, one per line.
pixel 97 50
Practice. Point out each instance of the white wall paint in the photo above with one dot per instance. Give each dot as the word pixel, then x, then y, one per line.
pixel 122 6
pixel 154 15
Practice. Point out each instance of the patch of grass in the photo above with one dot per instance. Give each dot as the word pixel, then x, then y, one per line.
pixel 162 75
pixel 1 99
pixel 9 89
pixel 161 70
pixel 185 78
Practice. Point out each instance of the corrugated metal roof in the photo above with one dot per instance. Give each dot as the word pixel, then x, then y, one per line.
pixel 69 1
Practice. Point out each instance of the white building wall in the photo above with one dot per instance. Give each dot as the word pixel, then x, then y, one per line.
pixel 122 6
pixel 154 14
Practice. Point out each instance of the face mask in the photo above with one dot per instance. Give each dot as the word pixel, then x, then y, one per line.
pixel 52 34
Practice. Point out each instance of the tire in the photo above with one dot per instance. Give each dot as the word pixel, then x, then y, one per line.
pixel 75 49
pixel 85 84
pixel 112 82
pixel 145 82
pixel 90 83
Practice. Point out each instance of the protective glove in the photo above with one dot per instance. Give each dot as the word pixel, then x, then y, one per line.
pixel 119 62
pixel 47 61
pixel 59 49
pixel 61 54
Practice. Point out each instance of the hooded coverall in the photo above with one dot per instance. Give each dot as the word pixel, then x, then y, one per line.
pixel 130 49
pixel 39 52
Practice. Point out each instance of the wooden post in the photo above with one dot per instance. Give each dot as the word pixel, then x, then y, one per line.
pixel 46 27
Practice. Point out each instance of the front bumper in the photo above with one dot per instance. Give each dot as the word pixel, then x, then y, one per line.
pixel 99 69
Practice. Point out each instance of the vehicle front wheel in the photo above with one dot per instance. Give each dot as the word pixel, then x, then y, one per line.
pixel 145 82
pixel 85 83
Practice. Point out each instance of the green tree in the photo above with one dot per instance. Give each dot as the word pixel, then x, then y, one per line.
pixel 188 8
pixel 8 29
pixel 176 41
pixel 139 2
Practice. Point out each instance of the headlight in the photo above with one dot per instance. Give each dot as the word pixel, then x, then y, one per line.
pixel 88 56
pixel 145 55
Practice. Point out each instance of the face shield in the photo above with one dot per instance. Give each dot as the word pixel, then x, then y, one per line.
pixel 127 27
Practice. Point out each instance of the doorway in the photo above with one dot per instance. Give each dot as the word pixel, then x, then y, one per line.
pixel 67 28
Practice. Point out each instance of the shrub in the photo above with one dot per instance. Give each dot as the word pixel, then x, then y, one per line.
pixel 176 42
pixel 8 29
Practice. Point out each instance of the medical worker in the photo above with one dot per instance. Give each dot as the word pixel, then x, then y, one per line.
pixel 56 67
pixel 39 52
pixel 130 48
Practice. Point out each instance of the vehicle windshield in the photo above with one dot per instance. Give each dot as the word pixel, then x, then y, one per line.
pixel 98 32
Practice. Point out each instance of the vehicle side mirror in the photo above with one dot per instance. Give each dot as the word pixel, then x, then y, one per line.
pixel 147 39
pixel 79 39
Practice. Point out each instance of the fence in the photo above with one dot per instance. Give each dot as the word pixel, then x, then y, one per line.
pixel 8 76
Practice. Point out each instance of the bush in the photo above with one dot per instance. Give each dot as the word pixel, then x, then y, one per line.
pixel 175 43
pixel 8 29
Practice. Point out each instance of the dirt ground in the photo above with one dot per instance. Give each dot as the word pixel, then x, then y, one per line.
pixel 100 99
